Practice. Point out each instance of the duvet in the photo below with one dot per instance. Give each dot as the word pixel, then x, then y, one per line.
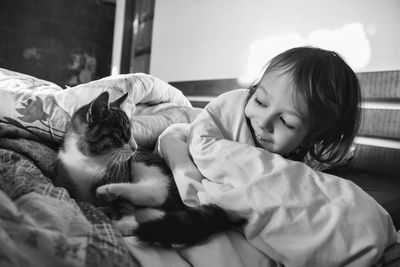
pixel 296 216
pixel 40 225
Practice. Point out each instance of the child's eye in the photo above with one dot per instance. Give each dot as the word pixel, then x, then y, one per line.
pixel 258 102
pixel 286 124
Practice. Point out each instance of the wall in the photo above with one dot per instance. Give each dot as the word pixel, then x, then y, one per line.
pixel 208 39
pixel 63 41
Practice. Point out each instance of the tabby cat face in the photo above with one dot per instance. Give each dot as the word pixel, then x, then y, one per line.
pixel 102 128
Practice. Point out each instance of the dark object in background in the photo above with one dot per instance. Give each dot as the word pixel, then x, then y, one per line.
pixel 66 42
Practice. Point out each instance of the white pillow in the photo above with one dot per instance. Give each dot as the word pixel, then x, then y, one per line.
pixel 44 108
pixel 29 103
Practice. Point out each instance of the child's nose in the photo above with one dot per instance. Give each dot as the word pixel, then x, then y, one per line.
pixel 266 122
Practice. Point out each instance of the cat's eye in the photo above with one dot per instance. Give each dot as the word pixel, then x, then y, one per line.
pixel 116 135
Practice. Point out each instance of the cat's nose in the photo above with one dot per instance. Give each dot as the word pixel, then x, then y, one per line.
pixel 133 144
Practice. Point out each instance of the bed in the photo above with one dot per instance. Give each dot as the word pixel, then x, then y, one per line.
pixel 40 225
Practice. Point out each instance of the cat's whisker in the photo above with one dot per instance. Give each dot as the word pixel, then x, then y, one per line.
pixel 117 168
pixel 114 168
pixel 110 163
pixel 124 171
pixel 127 170
pixel 118 164
pixel 109 174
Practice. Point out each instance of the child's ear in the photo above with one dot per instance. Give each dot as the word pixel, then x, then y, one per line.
pixel 117 103
pixel 97 106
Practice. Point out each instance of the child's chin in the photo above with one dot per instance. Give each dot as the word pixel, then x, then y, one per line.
pixel 267 146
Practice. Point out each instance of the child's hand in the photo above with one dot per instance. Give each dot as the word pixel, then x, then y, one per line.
pixel 138 194
pixel 391 256
pixel 173 134
pixel 109 192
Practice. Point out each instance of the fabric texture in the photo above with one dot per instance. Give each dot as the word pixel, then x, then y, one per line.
pixel 40 225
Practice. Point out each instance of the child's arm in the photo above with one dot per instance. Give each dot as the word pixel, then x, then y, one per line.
pixel 222 146
pixel 172 146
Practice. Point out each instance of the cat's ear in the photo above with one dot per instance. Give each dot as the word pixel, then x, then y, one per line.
pixel 117 103
pixel 97 106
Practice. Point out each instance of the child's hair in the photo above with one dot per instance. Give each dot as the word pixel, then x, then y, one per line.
pixel 331 90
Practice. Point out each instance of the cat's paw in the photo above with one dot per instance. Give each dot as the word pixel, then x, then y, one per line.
pixel 125 225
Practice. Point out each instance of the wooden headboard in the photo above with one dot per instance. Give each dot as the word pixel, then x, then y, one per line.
pixel 377 142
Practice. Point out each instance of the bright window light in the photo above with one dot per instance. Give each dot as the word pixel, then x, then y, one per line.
pixel 350 41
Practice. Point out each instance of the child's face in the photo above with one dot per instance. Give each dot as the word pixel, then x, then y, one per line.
pixel 278 117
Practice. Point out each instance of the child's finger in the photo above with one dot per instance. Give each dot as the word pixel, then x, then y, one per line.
pixel 392 253
pixel 108 192
pixel 111 192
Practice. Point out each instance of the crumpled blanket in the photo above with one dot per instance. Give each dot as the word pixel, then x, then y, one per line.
pixel 44 108
pixel 40 225
pixel 296 216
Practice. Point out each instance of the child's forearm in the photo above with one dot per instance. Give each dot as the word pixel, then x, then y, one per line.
pixel 219 158
pixel 175 134
pixel 172 146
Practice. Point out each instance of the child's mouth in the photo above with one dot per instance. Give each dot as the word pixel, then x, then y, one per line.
pixel 259 137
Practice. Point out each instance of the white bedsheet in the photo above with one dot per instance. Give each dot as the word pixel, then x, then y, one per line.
pixel 296 216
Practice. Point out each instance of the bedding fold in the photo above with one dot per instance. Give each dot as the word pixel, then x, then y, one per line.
pixel 296 216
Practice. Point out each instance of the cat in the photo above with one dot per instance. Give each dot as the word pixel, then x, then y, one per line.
pixel 96 148
pixel 99 148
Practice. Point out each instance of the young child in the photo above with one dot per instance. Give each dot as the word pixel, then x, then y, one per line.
pixel 253 152
pixel 306 107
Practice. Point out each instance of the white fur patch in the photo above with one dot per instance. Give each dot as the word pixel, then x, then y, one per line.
pixel 85 171
pixel 82 170
pixel 77 164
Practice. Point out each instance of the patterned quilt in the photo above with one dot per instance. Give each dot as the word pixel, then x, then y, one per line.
pixel 40 225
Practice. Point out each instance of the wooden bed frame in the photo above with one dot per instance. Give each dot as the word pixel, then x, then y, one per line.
pixel 376 165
